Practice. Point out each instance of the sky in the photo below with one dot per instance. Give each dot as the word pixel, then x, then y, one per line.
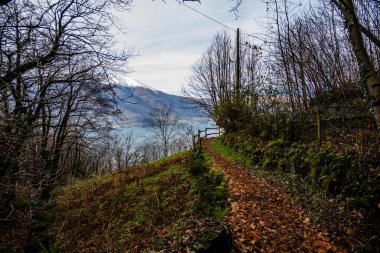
pixel 168 38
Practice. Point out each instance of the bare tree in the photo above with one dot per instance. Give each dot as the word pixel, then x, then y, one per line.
pixel 55 60
pixel 355 13
pixel 362 24
pixel 213 84
pixel 124 151
pixel 4 2
pixel 164 125
pixel 131 152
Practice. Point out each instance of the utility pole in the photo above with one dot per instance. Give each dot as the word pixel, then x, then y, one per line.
pixel 238 71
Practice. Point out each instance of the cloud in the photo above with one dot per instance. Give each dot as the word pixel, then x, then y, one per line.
pixel 164 71
pixel 169 38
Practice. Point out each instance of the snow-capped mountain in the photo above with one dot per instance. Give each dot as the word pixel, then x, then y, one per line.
pixel 129 82
pixel 137 99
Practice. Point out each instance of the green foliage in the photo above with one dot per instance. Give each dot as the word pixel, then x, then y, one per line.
pixel 269 164
pixel 274 150
pixel 223 144
pixel 236 111
pixel 336 172
pixel 273 126
pixel 210 186
pixel 43 240
pixel 197 164
pixel 295 159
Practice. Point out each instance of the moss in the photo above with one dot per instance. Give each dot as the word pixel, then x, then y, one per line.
pixel 269 164
pixel 334 171
pixel 42 239
pixel 314 173
pixel 295 159
pixel 210 185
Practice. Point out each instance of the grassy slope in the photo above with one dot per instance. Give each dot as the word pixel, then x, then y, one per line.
pixel 157 206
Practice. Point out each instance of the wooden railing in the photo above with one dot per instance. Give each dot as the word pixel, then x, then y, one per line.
pixel 206 133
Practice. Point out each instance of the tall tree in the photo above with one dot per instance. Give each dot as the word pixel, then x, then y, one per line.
pixel 55 59
pixel 213 84
pixel 363 27
pixel 356 30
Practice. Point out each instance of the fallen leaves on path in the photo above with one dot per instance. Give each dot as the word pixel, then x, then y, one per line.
pixel 263 218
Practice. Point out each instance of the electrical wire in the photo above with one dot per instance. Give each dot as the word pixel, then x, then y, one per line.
pixel 204 15
pixel 216 21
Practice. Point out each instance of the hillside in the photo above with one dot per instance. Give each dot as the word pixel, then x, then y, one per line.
pixel 293 87
pixel 136 100
pixel 173 204
pixel 222 200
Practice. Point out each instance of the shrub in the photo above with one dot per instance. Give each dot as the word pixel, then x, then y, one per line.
pixel 336 172
pixel 209 185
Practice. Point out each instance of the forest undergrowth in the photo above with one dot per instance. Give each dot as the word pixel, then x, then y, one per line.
pixel 344 205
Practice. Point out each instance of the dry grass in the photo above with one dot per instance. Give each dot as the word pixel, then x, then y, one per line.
pixel 150 207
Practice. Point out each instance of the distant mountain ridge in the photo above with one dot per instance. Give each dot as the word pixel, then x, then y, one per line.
pixel 137 99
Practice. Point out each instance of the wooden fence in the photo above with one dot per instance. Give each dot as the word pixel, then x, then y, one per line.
pixel 206 133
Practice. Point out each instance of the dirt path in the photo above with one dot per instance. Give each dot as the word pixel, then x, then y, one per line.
pixel 262 217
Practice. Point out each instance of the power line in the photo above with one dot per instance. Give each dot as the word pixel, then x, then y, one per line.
pixel 204 15
pixel 216 21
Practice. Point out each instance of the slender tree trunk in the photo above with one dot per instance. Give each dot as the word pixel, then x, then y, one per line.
pixel 283 58
pixel 370 77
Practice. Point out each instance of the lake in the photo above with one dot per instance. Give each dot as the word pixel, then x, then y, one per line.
pixel 140 134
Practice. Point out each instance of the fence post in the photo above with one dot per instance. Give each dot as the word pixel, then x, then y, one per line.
pixel 199 139
pixel 193 142
pixel 319 127
pixel 377 136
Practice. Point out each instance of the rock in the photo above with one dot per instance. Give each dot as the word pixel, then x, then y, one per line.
pixel 216 241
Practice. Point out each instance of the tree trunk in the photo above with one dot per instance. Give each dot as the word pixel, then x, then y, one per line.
pixel 370 77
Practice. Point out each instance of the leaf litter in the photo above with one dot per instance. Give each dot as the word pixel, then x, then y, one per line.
pixel 262 217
